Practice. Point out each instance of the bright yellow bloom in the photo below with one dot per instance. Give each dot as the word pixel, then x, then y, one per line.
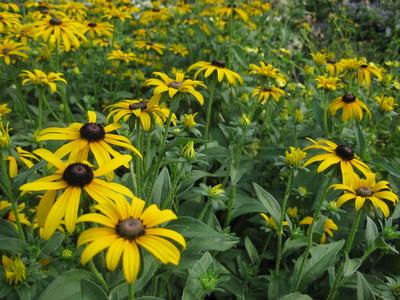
pixel 227 11
pixel 333 68
pixel 10 216
pixel 121 56
pixel 10 51
pixel 216 191
pixel 57 32
pixel 98 30
pixel 68 181
pixel 90 137
pixel 188 151
pixel 4 109
pixel 179 49
pixel 4 136
pixel 116 14
pixel 38 77
pixel 14 270
pixel 216 66
pixel 150 46
pixel 23 33
pixel 386 103
pixel 177 85
pixel 9 6
pixel 268 70
pixel 126 226
pixel 352 107
pixel 7 21
pixel 144 110
pixel 22 155
pixel 328 83
pixel 244 120
pixel 328 227
pixel 336 154
pixel 188 120
pixel 364 73
pixel 361 190
pixel 292 212
pixel 265 93
pixel 319 58
pixel 271 222
pixel 295 157
pixel 349 64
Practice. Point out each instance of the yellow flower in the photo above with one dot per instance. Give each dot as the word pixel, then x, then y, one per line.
pixel 216 191
pixel 4 136
pixel 14 270
pixel 56 32
pixel 333 68
pixel 21 155
pixel 227 11
pixel 179 49
pixel 177 85
pixel 9 6
pixel 150 46
pixel 386 103
pixel 349 64
pixel 364 73
pixel 292 212
pixel 265 93
pixel 38 77
pixel 88 137
pixel 244 120
pixel 271 222
pixel 298 116
pixel 8 20
pixel 126 227
pixel 98 30
pixel 336 154
pixel 22 32
pixel 267 70
pixel 144 110
pixel 188 151
pixel 216 66
pixel 10 216
pixel 328 227
pixel 295 157
pixel 121 56
pixel 10 51
pixel 352 107
pixel 309 70
pixel 361 190
pixel 69 180
pixel 319 58
pixel 67 253
pixel 188 120
pixel 328 83
pixel 115 13
pixel 4 110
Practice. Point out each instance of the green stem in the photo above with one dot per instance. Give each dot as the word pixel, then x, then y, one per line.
pixel 310 236
pixel 40 109
pixel 133 177
pixel 131 291
pixel 209 107
pixel 281 220
pixel 99 277
pixel 138 160
pixel 171 193
pixel 325 116
pixel 204 210
pixel 349 243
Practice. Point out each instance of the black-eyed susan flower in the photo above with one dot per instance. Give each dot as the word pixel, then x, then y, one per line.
pixel 5 206
pixel 89 137
pixel 11 51
pixel 68 181
pixel 144 45
pixel 142 109
pixel 188 151
pixel 115 13
pixel 8 20
pixel 319 57
pixel 268 71
pixel 4 109
pixel 14 270
pixel 21 33
pixel 271 222
pixel 4 135
pixel 361 190
pixel 365 71
pixel 386 103
pixel 328 83
pixel 126 228
pixel 329 226
pixel 216 66
pixel 38 77
pixel 98 29
pixel 188 120
pixel 179 49
pixel 292 212
pixel 352 107
pixel 9 6
pixel 232 10
pixel 295 157
pixel 26 157
pixel 119 55
pixel 177 85
pixel 264 94
pixel 332 68
pixel 336 154
pixel 56 32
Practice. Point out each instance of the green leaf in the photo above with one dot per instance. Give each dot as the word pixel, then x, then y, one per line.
pixel 292 245
pixel 371 232
pixel 322 256
pixel 53 243
pixel 245 205
pixel 386 165
pixel 8 229
pixel 251 251
pixel 204 277
pixel 12 244
pixel 351 265
pixel 66 286
pixel 92 291
pixel 380 243
pixel 161 186
pixel 269 202
pixel 203 236
pixel 364 291
pixel 296 296
pixel 360 139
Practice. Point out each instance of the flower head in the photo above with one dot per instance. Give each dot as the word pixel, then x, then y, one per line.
pixel 4 136
pixel 365 71
pixel 218 67
pixel 126 228
pixel 268 70
pixel 264 94
pixel 38 77
pixel 352 107
pixel 295 157
pixel 386 103
pixel 328 83
pixel 4 109
pixel 188 120
pixel 14 270
pixel 10 51
pixel 188 151
pixel 328 227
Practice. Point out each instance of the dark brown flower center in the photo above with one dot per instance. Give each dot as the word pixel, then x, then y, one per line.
pixel 43 9
pixel 218 63
pixel 267 90
pixel 5 51
pixel 349 98
pixel 92 24
pixel 130 228
pixel 344 152
pixel 138 105
pixel 155 10
pixel 1 18
pixel 175 84
pixel 78 174
pixel 92 132
pixel 364 191
pixel 55 21
pixel 364 66
pixel 331 61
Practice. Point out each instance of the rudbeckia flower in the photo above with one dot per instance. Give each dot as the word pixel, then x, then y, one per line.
pixel 328 83
pixel 56 31
pixel 336 154
pixel 179 49
pixel 96 30
pixel 116 14
pixel 216 66
pixel 265 93
pixel 352 107
pixel 150 46
pixel 141 109
pixel 10 51
pixel 364 74
pixel 69 180
pixel 22 155
pixel 267 70
pixel 121 56
pixel 386 103
pixel 361 190
pixel 127 227
pixel 232 9
pixel 14 270
pixel 177 85
pixel 328 227
pixel 8 20
pixel 271 222
pixel 10 216
pixel 91 136
pixel 38 77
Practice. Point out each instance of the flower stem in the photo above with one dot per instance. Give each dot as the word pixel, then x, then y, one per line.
pixel 99 277
pixel 209 107
pixel 138 160
pixel 171 193
pixel 131 291
pixel 281 220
